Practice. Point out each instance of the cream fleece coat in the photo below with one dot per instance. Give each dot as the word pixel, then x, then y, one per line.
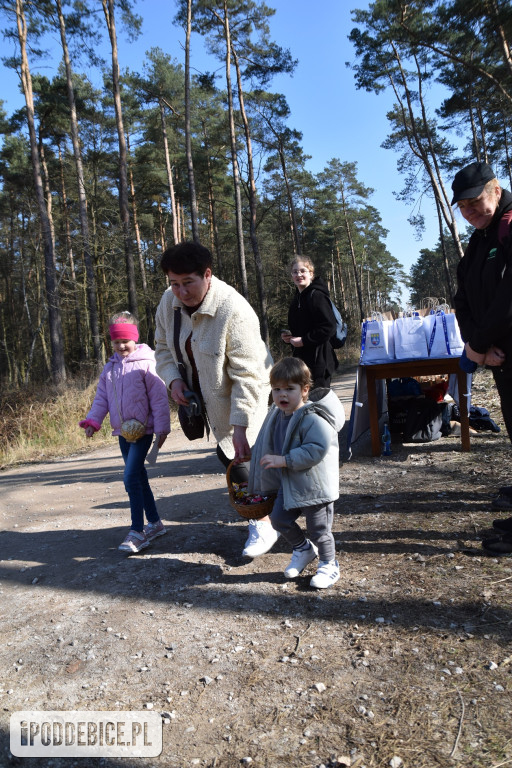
pixel 232 360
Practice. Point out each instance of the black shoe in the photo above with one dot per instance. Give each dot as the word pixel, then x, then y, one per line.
pixel 505 490
pixel 505 525
pixel 501 545
pixel 502 502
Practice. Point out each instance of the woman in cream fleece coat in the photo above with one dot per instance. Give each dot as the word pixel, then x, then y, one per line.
pixel 226 360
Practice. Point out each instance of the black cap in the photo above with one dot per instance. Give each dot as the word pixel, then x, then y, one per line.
pixel 470 182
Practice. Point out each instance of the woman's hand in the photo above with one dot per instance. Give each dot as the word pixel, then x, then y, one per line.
pixel 178 388
pixel 286 336
pixel 476 357
pixel 494 357
pixel 240 444
pixel 271 461
pixel 89 431
pixel 296 341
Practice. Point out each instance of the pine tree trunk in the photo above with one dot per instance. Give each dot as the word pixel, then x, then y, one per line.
pixel 147 304
pixel 494 12
pixel 79 333
pixel 214 228
pixel 291 207
pixel 82 197
pixel 234 160
pixel 352 255
pixel 340 280
pixel 474 133
pixel 58 369
pixel 188 140
pixel 161 228
pixel 506 145
pixel 175 223
pixel 447 273
pixel 108 9
pixel 260 280
pixel 46 187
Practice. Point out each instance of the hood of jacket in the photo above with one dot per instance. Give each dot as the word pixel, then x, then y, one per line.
pixel 317 284
pixel 323 402
pixel 327 404
pixel 142 352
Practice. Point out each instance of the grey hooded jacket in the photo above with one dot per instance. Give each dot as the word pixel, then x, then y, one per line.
pixel 311 451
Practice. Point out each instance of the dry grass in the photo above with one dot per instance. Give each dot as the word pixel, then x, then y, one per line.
pixel 348 355
pixel 41 423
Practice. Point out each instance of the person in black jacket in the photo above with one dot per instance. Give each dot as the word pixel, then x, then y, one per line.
pixel 311 323
pixel 483 301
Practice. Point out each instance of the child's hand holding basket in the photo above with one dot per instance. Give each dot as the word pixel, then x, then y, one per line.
pixel 250 506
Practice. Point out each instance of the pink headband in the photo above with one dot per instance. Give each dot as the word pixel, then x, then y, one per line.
pixel 123 331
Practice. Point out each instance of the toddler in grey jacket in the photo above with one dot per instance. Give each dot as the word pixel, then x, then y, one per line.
pixel 296 455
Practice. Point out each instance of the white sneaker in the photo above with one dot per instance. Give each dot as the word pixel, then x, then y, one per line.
pixel 327 574
pixel 262 538
pixel 300 558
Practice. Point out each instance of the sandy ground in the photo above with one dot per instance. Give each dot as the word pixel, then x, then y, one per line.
pixel 406 659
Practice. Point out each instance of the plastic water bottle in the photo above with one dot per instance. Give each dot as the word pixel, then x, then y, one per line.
pixel 386 441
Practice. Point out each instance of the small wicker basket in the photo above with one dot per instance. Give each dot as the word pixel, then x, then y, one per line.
pixel 244 505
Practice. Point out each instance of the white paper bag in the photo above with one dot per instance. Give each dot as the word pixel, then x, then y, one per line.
pixel 377 341
pixel 410 341
pixel 443 335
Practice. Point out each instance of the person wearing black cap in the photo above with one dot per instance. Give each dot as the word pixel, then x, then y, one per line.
pixel 483 301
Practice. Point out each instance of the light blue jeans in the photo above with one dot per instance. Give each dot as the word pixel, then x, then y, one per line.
pixel 136 481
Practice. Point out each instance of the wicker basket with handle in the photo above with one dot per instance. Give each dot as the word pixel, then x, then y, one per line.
pixel 250 506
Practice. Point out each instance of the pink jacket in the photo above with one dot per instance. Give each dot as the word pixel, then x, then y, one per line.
pixel 140 392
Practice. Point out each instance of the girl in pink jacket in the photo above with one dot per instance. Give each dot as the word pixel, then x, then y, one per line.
pixel 129 389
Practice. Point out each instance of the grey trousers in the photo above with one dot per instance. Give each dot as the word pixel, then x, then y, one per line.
pixel 318 525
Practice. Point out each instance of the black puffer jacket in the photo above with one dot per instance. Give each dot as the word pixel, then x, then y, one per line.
pixel 311 317
pixel 483 302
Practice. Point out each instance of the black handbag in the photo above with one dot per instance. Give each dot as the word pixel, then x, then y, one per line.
pixel 192 417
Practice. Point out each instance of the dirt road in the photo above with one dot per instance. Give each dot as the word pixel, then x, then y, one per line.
pixel 407 658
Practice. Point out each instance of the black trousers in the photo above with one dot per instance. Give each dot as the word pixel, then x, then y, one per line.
pixel 239 473
pixel 322 381
pixel 504 386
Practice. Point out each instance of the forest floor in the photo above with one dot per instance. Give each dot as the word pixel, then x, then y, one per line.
pixel 406 661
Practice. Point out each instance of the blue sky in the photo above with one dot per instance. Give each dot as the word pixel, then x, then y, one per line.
pixel 336 120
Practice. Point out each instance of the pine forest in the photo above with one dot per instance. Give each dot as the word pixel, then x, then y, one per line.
pixel 97 181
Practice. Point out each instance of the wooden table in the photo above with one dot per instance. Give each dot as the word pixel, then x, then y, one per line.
pixel 402 368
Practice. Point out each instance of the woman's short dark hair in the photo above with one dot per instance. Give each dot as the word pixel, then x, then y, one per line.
pixel 186 257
